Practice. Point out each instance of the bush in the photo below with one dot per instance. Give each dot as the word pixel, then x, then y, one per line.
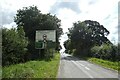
pixel 105 51
pixel 95 51
pixel 14 45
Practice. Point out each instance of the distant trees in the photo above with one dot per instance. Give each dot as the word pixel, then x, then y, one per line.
pixel 68 46
pixel 105 51
pixel 18 44
pixel 32 19
pixel 89 39
pixel 14 45
pixel 84 35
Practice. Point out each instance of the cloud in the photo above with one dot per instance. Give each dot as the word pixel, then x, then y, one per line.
pixel 69 5
pixel 11 25
pixel 107 17
pixel 91 2
pixel 69 11
pixel 8 9
pixel 63 38
pixel 7 17
pixel 67 17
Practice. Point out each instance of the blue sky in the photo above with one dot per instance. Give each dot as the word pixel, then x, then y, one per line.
pixel 69 11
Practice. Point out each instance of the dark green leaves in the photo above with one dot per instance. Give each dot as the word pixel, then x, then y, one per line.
pixel 14 45
pixel 84 35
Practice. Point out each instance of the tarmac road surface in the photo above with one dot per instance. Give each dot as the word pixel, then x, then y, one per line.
pixel 72 67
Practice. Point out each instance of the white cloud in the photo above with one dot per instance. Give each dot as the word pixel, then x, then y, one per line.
pixel 103 11
pixel 14 5
pixel 68 17
pixel 11 25
pixel 8 9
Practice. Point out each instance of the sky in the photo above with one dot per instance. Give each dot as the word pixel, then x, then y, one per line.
pixel 69 11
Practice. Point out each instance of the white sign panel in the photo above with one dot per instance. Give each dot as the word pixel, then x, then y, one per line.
pixel 50 35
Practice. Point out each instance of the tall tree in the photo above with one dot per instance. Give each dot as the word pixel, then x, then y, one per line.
pixel 32 19
pixel 68 46
pixel 86 34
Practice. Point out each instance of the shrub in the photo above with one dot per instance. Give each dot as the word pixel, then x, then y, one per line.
pixel 95 51
pixel 14 45
pixel 105 51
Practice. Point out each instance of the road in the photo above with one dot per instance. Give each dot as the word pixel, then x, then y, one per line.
pixel 71 67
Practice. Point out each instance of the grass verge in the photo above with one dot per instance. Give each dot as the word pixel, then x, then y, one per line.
pixel 105 63
pixel 33 69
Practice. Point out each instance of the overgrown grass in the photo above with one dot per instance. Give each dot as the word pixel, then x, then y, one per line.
pixel 0 72
pixel 33 69
pixel 105 63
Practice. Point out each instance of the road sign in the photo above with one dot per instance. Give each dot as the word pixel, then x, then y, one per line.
pixel 45 37
pixel 39 45
pixel 51 35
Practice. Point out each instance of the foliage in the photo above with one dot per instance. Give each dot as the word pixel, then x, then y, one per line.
pixel 32 19
pixel 105 63
pixel 95 50
pixel 33 69
pixel 105 51
pixel 117 48
pixel 14 45
pixel 86 34
pixel 68 46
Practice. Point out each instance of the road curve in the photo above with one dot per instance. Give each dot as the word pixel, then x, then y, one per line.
pixel 71 67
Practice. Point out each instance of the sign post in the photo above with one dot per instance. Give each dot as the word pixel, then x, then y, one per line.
pixel 45 39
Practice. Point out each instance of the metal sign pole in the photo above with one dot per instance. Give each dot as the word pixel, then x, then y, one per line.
pixel 45 43
pixel 45 40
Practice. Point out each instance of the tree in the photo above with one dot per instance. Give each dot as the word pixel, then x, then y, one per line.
pixel 84 35
pixel 32 19
pixel 14 45
pixel 68 46
pixel 105 51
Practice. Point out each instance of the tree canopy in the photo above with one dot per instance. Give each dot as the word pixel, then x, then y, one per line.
pixel 32 19
pixel 14 45
pixel 84 35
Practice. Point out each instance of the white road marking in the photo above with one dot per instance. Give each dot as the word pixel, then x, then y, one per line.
pixel 82 70
pixel 82 65
pixel 87 68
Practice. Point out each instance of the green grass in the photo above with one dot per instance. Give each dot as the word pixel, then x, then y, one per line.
pixel 105 63
pixel 33 69
pixel 0 72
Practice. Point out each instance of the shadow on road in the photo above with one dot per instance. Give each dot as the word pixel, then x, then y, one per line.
pixel 71 58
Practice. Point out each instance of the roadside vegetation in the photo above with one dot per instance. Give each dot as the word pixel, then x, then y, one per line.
pixel 33 69
pixel 88 39
pixel 14 45
pixel 18 44
pixel 20 58
pixel 105 63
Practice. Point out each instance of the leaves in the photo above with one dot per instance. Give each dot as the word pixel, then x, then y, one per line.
pixel 32 19
pixel 84 35
pixel 14 44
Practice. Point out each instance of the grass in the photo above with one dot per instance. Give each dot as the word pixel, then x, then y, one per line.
pixel 105 63
pixel 0 72
pixel 33 69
